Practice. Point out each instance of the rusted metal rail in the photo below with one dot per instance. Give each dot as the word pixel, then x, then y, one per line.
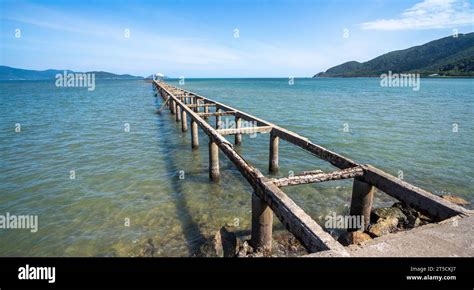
pixel 268 198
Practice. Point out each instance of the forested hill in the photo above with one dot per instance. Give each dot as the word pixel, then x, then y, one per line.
pixel 448 56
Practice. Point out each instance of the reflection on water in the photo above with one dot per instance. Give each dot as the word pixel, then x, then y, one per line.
pixel 133 176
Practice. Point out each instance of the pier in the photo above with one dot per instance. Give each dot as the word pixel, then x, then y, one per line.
pixel 268 199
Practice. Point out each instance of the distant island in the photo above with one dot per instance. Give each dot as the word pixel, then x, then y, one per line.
pixel 11 73
pixel 448 56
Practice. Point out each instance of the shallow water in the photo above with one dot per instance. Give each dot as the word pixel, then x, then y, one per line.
pixel 121 176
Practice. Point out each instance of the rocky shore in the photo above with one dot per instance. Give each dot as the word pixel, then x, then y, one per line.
pixel 386 220
pixel 227 242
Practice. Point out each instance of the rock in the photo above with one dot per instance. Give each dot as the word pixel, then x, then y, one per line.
pixel 360 238
pixel 228 242
pixel 217 244
pixel 328 253
pixel 222 244
pixel 388 212
pixel 147 249
pixel 225 243
pixel 417 222
pixel 356 237
pixel 413 217
pixel 286 245
pixel 455 199
pixel 383 226
pixel 245 250
pixel 425 219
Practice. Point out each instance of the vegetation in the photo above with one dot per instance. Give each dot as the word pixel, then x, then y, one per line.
pixel 448 56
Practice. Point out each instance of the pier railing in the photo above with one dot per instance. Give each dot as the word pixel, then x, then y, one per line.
pixel 268 197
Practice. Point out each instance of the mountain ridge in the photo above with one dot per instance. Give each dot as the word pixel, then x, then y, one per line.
pixel 448 56
pixel 11 73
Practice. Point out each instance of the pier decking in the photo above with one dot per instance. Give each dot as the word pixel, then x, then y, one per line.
pixel 450 238
pixel 268 197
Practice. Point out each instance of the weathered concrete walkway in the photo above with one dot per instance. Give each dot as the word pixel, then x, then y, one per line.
pixel 453 237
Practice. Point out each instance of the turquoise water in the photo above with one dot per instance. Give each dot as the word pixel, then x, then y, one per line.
pixel 134 176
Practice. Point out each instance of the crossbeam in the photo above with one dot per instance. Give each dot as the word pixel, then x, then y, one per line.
pixel 200 105
pixel 319 177
pixel 245 130
pixel 316 171
pixel 224 113
pixel 415 197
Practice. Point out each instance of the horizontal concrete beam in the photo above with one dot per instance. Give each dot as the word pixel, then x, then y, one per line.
pixel 200 105
pixel 415 197
pixel 245 130
pixel 319 177
pixel 225 113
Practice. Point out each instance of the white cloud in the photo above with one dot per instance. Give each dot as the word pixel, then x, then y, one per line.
pixel 427 15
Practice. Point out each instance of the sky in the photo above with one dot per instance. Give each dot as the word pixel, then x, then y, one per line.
pixel 293 38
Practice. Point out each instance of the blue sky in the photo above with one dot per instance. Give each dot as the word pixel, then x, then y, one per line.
pixel 199 38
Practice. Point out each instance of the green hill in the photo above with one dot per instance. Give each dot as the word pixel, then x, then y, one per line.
pixel 447 56
pixel 11 73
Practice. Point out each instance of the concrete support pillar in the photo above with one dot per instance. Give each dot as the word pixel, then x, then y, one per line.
pixel 173 107
pixel 238 137
pixel 273 164
pixel 194 135
pixel 206 110
pixel 184 121
pixel 196 101
pixel 218 119
pixel 214 173
pixel 362 198
pixel 262 224
pixel 178 113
